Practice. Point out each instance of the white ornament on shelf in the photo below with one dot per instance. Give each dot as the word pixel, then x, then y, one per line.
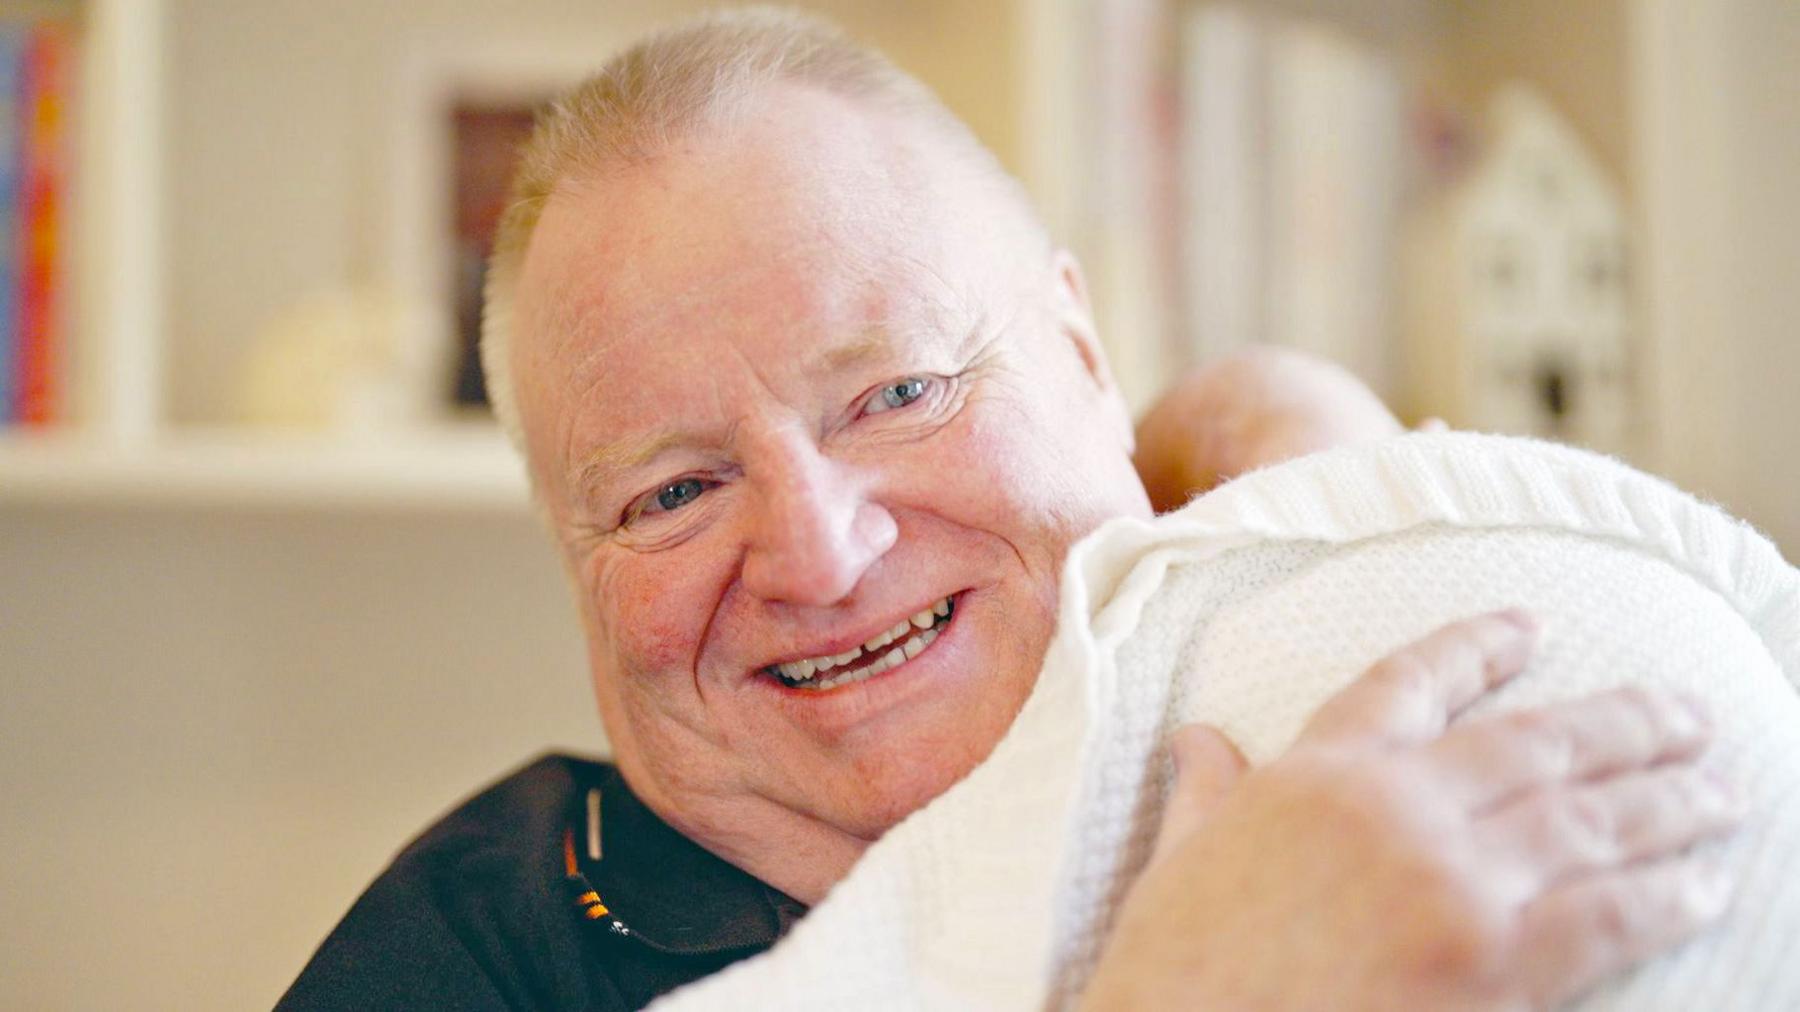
pixel 1519 316
pixel 335 361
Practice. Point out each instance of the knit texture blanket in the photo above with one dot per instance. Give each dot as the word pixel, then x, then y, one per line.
pixel 1246 610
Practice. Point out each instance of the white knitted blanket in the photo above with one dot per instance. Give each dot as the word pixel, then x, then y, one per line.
pixel 1246 610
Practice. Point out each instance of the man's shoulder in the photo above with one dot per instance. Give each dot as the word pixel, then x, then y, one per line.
pixel 471 913
pixel 521 813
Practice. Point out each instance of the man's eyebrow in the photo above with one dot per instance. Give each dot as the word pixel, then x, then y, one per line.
pixel 606 462
pixel 869 344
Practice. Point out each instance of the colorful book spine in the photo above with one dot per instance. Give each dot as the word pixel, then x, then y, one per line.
pixel 12 45
pixel 40 212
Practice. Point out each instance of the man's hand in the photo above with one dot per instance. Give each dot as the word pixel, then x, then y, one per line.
pixel 1385 863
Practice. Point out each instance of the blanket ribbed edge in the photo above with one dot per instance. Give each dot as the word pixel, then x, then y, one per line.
pixel 1463 479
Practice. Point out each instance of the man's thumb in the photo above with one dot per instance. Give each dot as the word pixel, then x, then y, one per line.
pixel 1207 767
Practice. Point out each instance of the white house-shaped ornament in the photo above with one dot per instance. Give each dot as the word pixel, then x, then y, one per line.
pixel 1519 315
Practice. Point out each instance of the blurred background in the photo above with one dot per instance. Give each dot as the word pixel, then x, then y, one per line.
pixel 270 592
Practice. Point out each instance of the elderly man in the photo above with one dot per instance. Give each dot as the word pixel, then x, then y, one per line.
pixel 815 410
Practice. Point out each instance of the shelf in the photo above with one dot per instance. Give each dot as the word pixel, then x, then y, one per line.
pixel 451 469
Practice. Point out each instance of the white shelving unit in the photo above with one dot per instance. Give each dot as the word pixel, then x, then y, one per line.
pixel 451 469
pixel 117 317
pixel 117 446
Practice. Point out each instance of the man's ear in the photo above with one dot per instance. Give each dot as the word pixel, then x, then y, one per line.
pixel 1075 319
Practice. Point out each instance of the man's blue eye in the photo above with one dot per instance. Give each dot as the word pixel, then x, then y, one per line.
pixel 896 395
pixel 666 498
pixel 677 494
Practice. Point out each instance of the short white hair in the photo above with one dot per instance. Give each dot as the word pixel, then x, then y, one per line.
pixel 673 83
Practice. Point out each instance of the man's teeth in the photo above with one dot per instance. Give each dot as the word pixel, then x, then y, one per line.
pixel 909 637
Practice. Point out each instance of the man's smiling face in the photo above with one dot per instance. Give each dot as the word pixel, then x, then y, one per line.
pixel 789 388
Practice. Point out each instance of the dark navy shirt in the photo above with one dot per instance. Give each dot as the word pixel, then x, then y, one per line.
pixel 481 911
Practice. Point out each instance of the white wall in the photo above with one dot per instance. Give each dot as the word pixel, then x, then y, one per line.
pixel 1763 132
pixel 218 726
pixel 1716 153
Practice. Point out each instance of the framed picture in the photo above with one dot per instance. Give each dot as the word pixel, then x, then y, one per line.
pixel 463 108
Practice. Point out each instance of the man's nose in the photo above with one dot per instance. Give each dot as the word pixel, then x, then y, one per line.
pixel 815 533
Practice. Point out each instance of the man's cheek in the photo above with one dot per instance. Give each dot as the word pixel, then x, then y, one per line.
pixel 652 627
pixel 997 463
pixel 1019 478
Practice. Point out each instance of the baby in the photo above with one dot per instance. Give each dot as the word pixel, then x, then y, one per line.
pixel 1256 408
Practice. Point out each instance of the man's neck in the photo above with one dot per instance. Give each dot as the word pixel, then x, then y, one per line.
pixel 801 856
pixel 802 861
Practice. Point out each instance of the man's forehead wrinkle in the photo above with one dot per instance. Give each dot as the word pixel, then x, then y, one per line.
pixel 592 337
pixel 579 332
pixel 952 305
pixel 587 294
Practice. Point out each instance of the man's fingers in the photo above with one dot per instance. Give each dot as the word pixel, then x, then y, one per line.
pixel 1408 697
pixel 1490 760
pixel 1577 935
pixel 1554 835
pixel 1207 766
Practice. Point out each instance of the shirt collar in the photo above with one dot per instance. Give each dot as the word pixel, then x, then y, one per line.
pixel 673 894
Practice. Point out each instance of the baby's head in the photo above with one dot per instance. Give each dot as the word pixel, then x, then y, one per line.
pixel 1259 407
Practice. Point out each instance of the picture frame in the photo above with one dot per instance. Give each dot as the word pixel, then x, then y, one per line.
pixel 458 102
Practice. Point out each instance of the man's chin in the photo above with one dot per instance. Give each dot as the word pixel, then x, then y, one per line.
pixel 874 797
pixel 892 768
